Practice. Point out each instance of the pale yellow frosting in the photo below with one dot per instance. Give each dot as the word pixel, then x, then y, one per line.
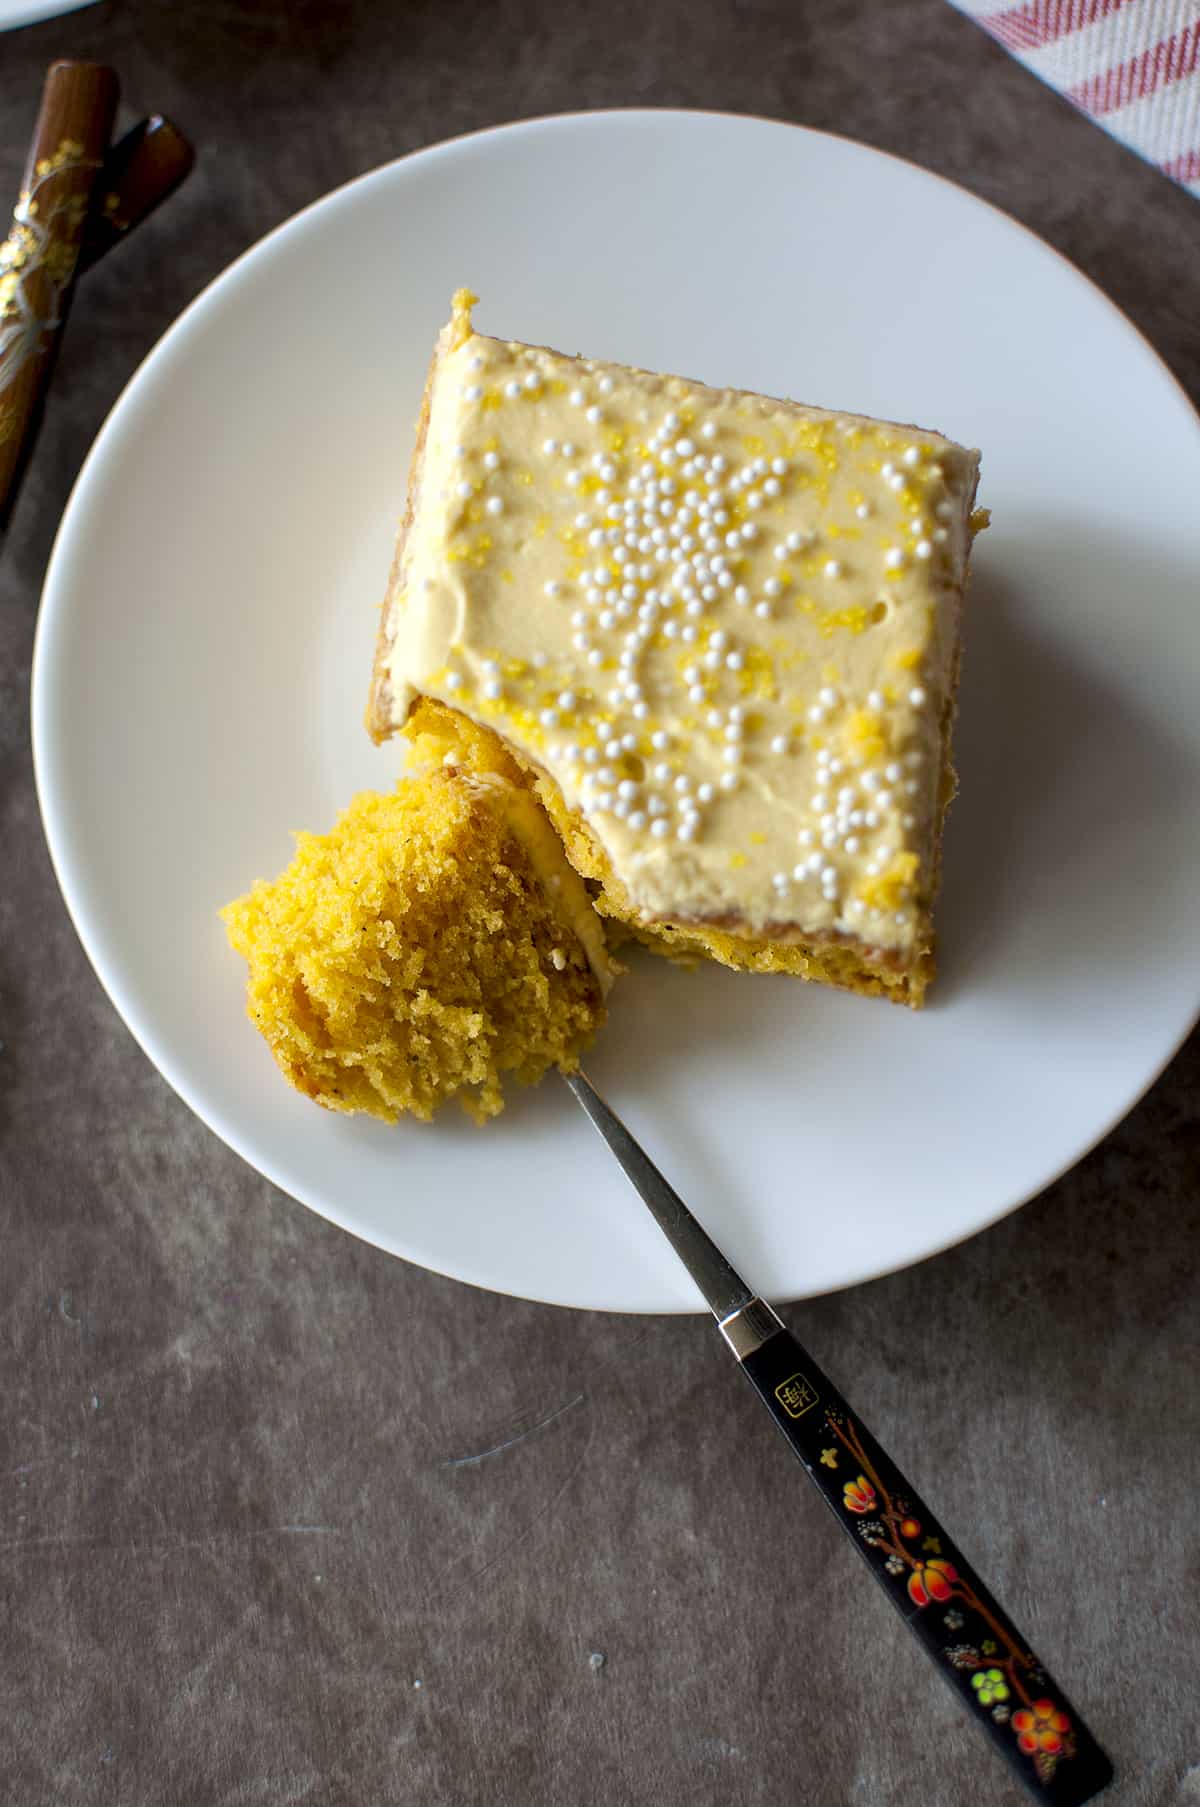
pixel 726 626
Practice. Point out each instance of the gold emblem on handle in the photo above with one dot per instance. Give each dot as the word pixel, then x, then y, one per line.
pixel 796 1395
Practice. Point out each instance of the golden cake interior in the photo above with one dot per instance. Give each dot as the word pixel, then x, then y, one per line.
pixel 433 944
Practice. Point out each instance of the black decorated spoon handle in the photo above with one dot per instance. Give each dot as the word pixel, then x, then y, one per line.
pixel 928 1580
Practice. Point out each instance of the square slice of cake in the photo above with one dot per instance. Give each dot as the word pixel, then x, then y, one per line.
pixel 720 632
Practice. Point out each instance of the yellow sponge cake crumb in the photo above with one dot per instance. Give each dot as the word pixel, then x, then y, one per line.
pixel 433 943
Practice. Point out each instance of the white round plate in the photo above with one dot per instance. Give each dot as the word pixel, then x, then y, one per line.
pixel 206 639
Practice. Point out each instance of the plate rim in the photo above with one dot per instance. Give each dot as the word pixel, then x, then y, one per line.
pixel 50 608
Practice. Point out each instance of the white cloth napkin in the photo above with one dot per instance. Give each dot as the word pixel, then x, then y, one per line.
pixel 1133 65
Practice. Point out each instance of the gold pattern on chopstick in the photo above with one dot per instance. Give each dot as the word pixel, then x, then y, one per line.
pixel 43 241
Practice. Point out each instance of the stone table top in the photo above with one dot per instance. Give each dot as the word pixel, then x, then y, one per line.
pixel 286 1520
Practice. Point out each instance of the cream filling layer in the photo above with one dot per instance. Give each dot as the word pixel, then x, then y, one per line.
pixel 529 824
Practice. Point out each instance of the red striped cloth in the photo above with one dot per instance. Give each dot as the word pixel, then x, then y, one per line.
pixel 1133 65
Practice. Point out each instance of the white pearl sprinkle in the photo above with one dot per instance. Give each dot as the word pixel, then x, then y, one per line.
pixel 863 511
pixel 637 819
pixel 660 828
pixel 474 393
pixel 453 681
pixel 832 568
pixel 874 700
pixel 893 558
pixel 494 505
pixel 912 454
pixel 729 781
pixel 512 390
pixel 779 743
pixel 916 697
pixel 493 689
pixel 576 398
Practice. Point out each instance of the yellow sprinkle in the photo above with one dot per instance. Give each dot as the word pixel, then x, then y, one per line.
pixel 854 620
pixel 867 734
pixel 888 890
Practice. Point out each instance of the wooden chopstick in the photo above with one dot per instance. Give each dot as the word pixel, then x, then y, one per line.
pixel 140 171
pixel 39 258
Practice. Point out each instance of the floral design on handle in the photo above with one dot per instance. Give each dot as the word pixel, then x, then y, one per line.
pixel 1002 1671
pixel 43 242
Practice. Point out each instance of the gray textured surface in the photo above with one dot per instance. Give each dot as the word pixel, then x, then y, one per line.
pixel 239 1559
